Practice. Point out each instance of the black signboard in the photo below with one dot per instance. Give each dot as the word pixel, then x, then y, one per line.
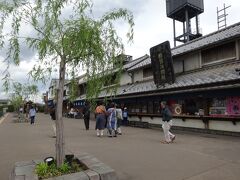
pixel 162 64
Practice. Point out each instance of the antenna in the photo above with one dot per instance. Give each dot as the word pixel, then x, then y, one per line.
pixel 222 17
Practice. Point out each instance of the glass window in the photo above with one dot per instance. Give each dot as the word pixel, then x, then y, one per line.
pixel 138 108
pixel 218 106
pixel 131 108
pixel 144 107
pixel 156 107
pixel 82 89
pixel 150 107
pixel 190 106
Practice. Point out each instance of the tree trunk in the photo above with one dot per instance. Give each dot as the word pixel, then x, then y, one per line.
pixel 60 144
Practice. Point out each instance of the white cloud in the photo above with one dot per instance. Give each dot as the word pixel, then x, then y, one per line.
pixel 20 74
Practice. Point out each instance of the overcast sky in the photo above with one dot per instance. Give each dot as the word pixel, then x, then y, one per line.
pixel 151 28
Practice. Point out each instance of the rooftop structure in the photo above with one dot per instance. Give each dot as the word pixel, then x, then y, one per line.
pixel 183 11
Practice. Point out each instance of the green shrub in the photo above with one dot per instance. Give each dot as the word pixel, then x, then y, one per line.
pixel 10 108
pixel 41 109
pixel 65 168
pixel 44 171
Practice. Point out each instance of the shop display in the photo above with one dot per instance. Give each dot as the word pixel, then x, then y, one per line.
pixel 218 107
pixel 177 109
pixel 233 105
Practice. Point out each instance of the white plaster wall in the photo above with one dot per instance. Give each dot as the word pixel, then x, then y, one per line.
pixel 191 61
pixel 178 66
pixel 224 126
pixel 176 122
pixel 133 118
pixel 125 78
pixel 146 119
pixel 194 123
pixel 138 75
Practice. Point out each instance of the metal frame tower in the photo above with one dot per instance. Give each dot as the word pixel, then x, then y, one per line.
pixel 183 11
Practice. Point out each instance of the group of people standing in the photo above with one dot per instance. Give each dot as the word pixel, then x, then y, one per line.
pixel 30 112
pixel 111 119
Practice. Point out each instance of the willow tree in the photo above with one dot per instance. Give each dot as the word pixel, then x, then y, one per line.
pixel 65 43
pixel 21 92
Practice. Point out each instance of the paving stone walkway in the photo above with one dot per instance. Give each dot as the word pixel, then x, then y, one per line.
pixel 135 155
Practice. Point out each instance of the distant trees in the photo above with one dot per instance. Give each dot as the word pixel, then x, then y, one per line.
pixel 21 93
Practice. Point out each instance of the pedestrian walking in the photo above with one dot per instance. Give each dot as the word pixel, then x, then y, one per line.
pixel 167 123
pixel 125 117
pixel 32 114
pixel 119 115
pixel 112 121
pixel 100 113
pixel 20 110
pixel 86 115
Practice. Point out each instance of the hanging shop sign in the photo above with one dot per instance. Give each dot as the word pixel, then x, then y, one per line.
pixel 162 64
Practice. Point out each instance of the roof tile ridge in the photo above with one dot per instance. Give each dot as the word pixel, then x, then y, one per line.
pixel 210 34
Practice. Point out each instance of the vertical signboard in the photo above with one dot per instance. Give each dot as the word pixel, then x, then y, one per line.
pixel 162 64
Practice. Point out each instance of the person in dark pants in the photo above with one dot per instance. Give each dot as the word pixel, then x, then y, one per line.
pixel 125 117
pixel 100 119
pixel 32 114
pixel 86 115
pixel 167 123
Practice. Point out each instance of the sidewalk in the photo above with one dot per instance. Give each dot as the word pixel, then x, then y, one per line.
pixel 136 155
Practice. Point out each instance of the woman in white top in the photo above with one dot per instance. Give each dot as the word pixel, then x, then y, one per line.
pixel 32 114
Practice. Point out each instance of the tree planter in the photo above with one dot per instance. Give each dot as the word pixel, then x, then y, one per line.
pixel 96 170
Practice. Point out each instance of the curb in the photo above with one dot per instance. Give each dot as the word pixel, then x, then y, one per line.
pixel 96 170
pixel 3 118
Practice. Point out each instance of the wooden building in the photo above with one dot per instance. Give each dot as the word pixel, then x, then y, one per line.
pixel 205 95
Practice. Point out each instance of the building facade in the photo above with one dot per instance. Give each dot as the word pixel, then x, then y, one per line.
pixel 205 95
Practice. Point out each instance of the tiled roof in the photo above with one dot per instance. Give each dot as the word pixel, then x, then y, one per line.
pixel 135 61
pixel 222 73
pixel 229 32
pixel 129 64
pixel 144 63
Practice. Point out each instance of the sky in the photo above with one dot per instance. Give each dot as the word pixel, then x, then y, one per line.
pixel 152 27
